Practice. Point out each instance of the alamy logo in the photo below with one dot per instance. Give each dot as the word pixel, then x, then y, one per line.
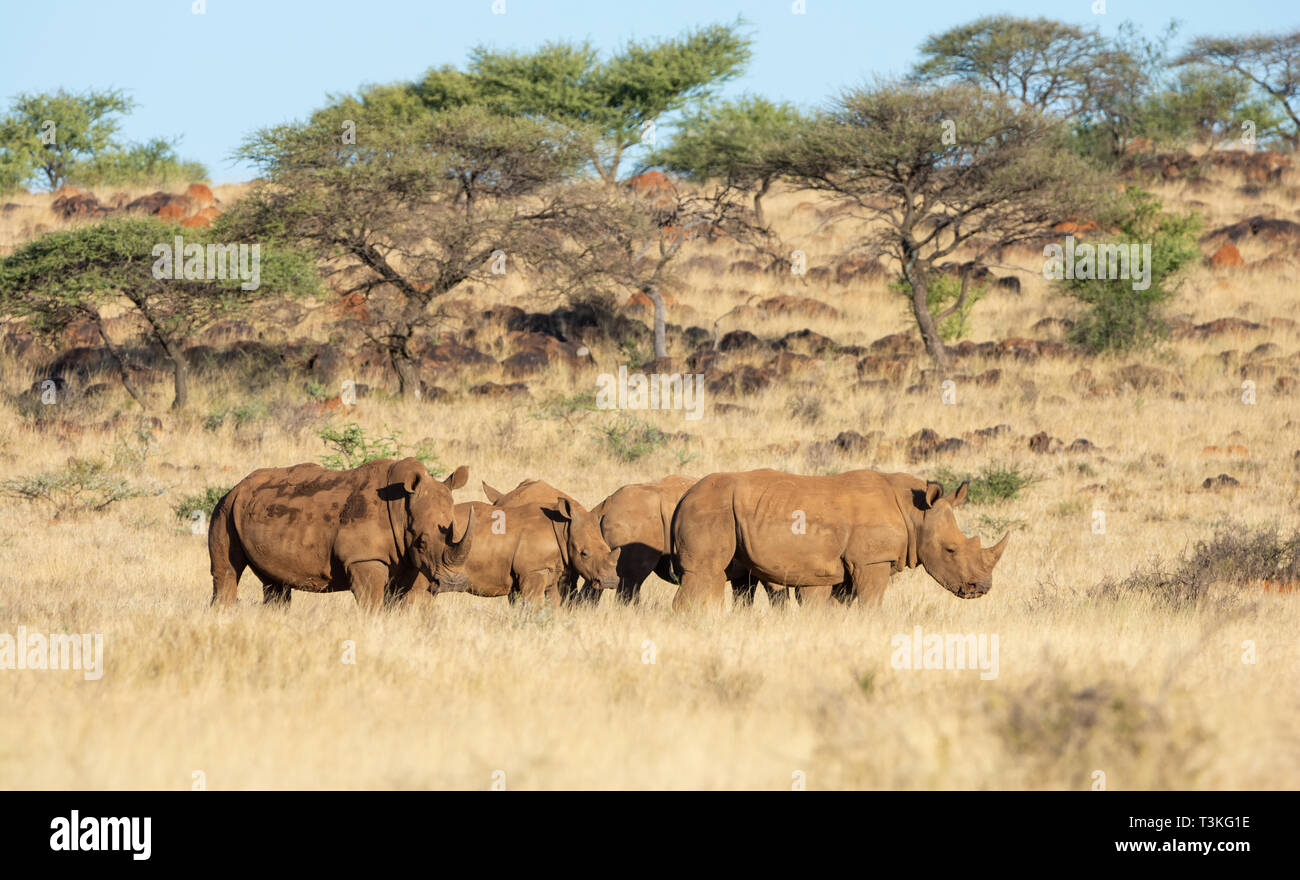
pixel 656 391
pixel 74 651
pixel 946 651
pixel 178 261
pixel 78 833
pixel 1087 262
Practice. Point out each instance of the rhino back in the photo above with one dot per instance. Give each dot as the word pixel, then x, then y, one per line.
pixel 296 523
pixel 799 530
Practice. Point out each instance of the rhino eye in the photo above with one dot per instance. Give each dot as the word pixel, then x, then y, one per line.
pixel 951 549
pixel 584 554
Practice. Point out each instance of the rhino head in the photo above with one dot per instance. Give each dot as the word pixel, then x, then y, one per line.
pixel 957 562
pixel 437 547
pixel 587 551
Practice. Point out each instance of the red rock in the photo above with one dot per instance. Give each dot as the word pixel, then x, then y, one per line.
pixel 1228 255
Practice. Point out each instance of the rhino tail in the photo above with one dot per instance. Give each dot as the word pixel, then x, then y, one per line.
pixel 225 550
pixel 674 562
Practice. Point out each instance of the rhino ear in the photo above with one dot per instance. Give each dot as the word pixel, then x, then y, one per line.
pixel 493 495
pixel 933 492
pixel 565 507
pixel 408 472
pixel 458 478
pixel 959 495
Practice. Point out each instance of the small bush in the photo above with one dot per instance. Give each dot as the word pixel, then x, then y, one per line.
pixel 994 482
pixel 82 485
pixel 942 292
pixel 629 439
pixel 1117 316
pixel 566 409
pixel 235 415
pixel 353 448
pixel 1234 554
pixel 201 502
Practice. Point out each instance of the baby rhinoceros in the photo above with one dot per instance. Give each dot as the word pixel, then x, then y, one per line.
pixel 525 550
pixel 851 530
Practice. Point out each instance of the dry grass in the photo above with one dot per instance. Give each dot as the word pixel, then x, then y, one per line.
pixel 1153 696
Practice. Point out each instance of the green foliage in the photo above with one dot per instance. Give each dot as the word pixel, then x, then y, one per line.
pixel 994 482
pixel 567 409
pixel 353 448
pixel 942 292
pixel 1039 62
pixel 153 163
pixel 81 147
pixel 607 100
pixel 241 414
pixel 203 502
pixel 85 125
pixel 629 439
pixel 81 485
pixel 1117 316
pixel 1268 61
pixel 738 141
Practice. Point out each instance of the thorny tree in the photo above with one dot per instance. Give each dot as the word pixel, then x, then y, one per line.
pixel 933 171
pixel 411 209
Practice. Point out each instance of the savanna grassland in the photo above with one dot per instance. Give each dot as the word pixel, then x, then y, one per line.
pixel 1149 685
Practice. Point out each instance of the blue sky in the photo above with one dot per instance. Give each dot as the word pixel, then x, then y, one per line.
pixel 212 78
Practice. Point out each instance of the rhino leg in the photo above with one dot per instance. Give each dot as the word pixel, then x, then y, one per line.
pixel 634 565
pixel 537 587
pixel 869 582
pixel 777 596
pixel 744 585
pixel 701 590
pixel 367 580
pixel 227 555
pixel 814 596
pixel 276 594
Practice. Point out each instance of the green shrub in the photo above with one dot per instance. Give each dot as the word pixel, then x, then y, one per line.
pixel 629 439
pixel 1116 315
pixel 994 482
pixel 201 502
pixel 353 448
pixel 82 485
pixel 943 291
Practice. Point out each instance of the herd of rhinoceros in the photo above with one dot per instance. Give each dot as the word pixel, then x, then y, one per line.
pixel 391 533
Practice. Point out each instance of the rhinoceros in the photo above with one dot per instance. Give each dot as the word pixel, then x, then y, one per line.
pixel 365 530
pixel 524 551
pixel 637 519
pixel 539 494
pixel 854 529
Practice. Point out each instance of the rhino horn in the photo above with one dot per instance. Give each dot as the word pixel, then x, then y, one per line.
pixel 994 553
pixel 458 548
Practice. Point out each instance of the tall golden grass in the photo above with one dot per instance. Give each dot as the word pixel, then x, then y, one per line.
pixel 468 693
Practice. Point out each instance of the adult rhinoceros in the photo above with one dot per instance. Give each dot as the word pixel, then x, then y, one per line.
pixel 855 529
pixel 365 530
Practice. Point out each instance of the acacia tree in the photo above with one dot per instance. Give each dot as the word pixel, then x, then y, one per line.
pixel 738 142
pixel 610 100
pixel 72 275
pixel 1039 63
pixel 1270 61
pixel 937 170
pixel 414 208
pixel 631 237
pixel 84 126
